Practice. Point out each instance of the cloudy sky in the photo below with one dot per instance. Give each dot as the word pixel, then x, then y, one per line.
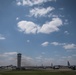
pixel 44 31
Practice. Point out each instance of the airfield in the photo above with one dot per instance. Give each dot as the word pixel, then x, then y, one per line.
pixel 39 72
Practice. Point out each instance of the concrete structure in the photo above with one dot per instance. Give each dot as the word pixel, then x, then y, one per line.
pixel 19 60
pixel 68 63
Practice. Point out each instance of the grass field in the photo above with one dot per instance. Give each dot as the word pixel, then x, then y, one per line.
pixel 38 73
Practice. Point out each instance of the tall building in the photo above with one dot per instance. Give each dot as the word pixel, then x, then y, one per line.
pixel 19 60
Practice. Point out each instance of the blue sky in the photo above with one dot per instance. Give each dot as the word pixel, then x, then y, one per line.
pixel 44 31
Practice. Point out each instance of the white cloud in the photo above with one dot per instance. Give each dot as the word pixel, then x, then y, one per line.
pixel 19 3
pixel 28 41
pixel 69 46
pixel 55 43
pixel 53 15
pixel 67 57
pixel 39 57
pixel 8 58
pixel 51 26
pixel 64 45
pixel 45 44
pixel 28 27
pixel 31 2
pixel 10 53
pixel 17 18
pixel 50 15
pixel 2 37
pixel 38 12
pixel 61 16
pixel 6 54
pixel 58 44
pixel 66 32
pixel 47 28
pixel 66 22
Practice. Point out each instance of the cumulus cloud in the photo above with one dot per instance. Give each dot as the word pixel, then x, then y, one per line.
pixel 66 32
pixel 28 27
pixel 51 26
pixel 69 46
pixel 38 12
pixel 2 37
pixel 55 43
pixel 31 2
pixel 47 28
pixel 64 45
pixel 45 44
pixel 19 3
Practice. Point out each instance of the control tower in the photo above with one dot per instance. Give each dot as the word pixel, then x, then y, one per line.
pixel 19 60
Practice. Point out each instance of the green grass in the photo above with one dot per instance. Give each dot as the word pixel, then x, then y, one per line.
pixel 38 73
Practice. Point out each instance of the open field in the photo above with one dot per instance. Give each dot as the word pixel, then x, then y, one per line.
pixel 40 72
